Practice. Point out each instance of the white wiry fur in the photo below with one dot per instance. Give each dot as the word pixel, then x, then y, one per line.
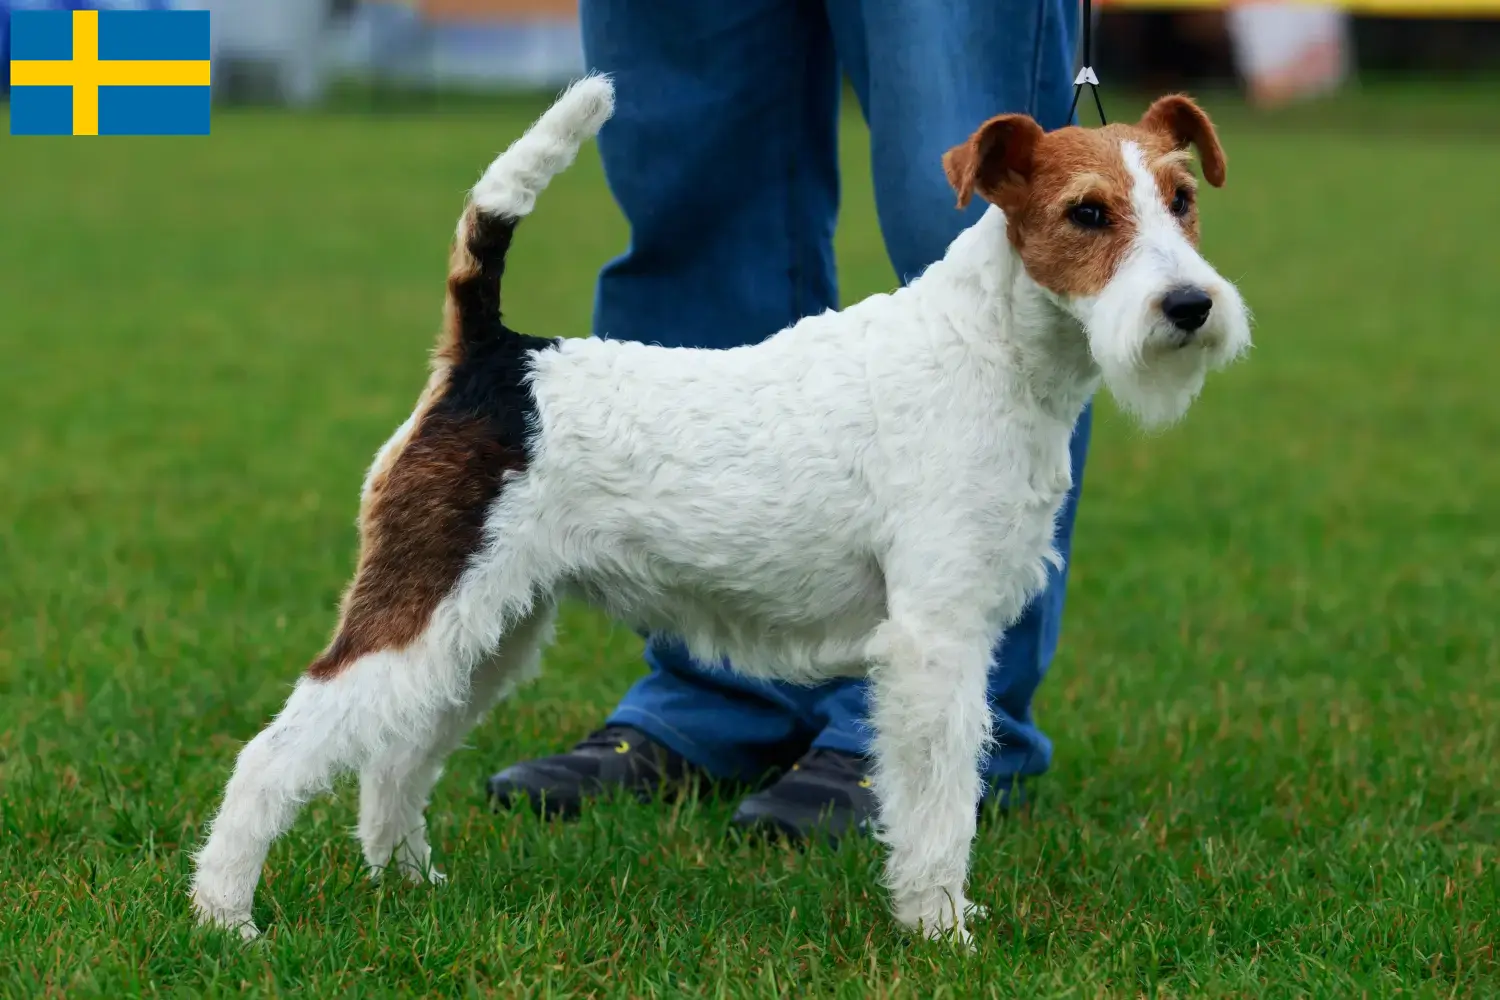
pixel 868 492
pixel 518 175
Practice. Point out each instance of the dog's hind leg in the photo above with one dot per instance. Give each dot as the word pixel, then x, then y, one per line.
pixel 396 687
pixel 396 783
pixel 333 722
pixel 327 726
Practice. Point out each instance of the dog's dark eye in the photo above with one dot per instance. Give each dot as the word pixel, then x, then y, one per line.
pixel 1182 203
pixel 1088 215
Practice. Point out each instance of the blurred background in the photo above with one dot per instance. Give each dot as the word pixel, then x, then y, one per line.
pixel 295 51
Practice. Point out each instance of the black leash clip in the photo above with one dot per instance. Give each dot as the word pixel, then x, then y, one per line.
pixel 1089 77
pixel 1087 74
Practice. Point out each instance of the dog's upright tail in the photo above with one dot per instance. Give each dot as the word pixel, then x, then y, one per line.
pixel 506 194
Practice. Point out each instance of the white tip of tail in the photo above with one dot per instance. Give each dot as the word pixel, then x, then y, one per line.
pixel 510 186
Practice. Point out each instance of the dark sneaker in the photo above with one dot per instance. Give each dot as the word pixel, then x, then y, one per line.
pixel 614 757
pixel 826 794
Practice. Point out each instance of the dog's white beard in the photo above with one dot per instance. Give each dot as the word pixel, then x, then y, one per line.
pixel 1157 394
pixel 1148 374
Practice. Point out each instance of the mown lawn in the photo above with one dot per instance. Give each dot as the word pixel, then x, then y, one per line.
pixel 1276 708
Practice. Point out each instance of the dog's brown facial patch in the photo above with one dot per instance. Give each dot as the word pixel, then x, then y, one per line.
pixel 1069 196
pixel 1077 176
pixel 423 515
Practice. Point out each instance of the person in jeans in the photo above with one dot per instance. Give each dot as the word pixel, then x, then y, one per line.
pixel 723 157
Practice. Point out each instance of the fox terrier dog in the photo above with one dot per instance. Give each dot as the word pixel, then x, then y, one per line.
pixel 867 493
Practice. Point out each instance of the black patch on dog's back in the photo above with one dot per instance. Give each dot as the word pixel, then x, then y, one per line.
pixel 491 385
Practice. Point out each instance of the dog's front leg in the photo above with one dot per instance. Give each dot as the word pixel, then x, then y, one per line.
pixel 932 722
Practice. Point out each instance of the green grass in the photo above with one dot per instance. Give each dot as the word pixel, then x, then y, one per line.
pixel 1276 708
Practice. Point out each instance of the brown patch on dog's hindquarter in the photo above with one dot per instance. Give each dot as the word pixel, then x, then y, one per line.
pixel 424 509
pixel 424 519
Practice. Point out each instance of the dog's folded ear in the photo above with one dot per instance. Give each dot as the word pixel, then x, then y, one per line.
pixel 999 152
pixel 1186 124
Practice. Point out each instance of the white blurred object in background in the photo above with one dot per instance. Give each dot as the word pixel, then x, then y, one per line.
pixel 285 38
pixel 1290 51
pixel 465 43
pixel 296 45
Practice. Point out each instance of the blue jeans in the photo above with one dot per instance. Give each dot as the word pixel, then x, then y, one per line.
pixel 723 156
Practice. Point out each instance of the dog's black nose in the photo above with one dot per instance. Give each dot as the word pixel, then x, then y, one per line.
pixel 1187 308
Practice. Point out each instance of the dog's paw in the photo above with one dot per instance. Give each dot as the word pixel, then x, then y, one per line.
pixel 941 917
pixel 958 936
pixel 223 918
pixel 431 876
pixel 413 870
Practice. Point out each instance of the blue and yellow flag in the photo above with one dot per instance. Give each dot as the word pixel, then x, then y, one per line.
pixel 112 72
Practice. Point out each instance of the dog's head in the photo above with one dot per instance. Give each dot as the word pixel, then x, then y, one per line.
pixel 1106 222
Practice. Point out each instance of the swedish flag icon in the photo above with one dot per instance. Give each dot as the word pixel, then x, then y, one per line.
pixel 113 72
